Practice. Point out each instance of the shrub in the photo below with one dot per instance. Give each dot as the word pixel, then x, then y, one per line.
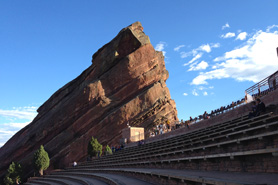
pixel 41 160
pixel 14 174
pixel 94 148
pixel 108 150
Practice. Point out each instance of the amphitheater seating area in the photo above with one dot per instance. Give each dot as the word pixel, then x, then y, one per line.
pixel 237 151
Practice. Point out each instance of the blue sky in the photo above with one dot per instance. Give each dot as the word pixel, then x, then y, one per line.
pixel 214 50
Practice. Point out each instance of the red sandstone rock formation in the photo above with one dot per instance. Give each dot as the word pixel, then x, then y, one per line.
pixel 125 83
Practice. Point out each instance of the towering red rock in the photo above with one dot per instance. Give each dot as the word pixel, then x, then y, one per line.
pixel 125 83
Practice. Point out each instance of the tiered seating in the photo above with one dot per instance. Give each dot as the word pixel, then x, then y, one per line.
pixel 239 145
pixel 74 179
pixel 202 144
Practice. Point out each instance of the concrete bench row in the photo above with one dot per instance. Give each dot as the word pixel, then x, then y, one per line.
pixel 74 179
pixel 176 142
pixel 191 144
pixel 168 176
pixel 189 150
pixel 159 143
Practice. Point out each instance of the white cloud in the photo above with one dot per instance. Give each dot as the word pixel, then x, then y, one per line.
pixel 185 94
pixel 205 48
pixel 201 66
pixel 205 93
pixel 252 61
pixel 17 125
pixel 215 74
pixel 7 130
pixel 15 119
pixel 211 87
pixel 160 47
pixel 199 50
pixel 226 26
pixel 215 45
pixel 241 36
pixel 194 59
pixel 194 92
pixel 269 28
pixel 178 47
pixel 20 113
pixel 185 54
pixel 228 35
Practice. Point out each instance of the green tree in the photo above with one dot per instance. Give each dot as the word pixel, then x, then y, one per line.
pixel 41 160
pixel 94 148
pixel 108 150
pixel 14 174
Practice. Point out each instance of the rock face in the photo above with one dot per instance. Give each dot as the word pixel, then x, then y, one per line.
pixel 125 83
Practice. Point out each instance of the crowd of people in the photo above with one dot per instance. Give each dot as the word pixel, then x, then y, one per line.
pixel 257 108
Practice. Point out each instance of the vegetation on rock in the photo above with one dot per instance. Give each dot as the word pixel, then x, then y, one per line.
pixel 14 174
pixel 94 148
pixel 108 150
pixel 41 160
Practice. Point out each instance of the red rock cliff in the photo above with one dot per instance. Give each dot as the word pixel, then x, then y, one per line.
pixel 125 83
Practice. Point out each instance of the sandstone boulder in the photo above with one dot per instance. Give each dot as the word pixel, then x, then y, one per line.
pixel 125 83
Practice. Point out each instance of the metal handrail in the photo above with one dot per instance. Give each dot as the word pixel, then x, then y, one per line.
pixel 269 83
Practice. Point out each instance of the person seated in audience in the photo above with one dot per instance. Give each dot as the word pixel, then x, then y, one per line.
pixel 260 107
pixel 233 104
pixel 195 119
pixel 191 119
pixel 211 113
pixel 253 111
pixel 178 125
pixel 161 129
pixel 156 130
pixel 141 142
pixel 205 115
pixel 181 123
pixel 187 124
pixel 74 164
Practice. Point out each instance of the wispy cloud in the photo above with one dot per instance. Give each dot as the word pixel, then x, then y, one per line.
pixel 225 26
pixel 14 120
pixel 241 36
pixel 206 48
pixel 178 47
pixel 205 93
pixel 194 92
pixel 185 54
pixel 269 28
pixel 160 47
pixel 215 45
pixel 185 94
pixel 20 113
pixel 203 48
pixel 251 61
pixel 228 35
pixel 7 130
pixel 194 59
pixel 201 66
